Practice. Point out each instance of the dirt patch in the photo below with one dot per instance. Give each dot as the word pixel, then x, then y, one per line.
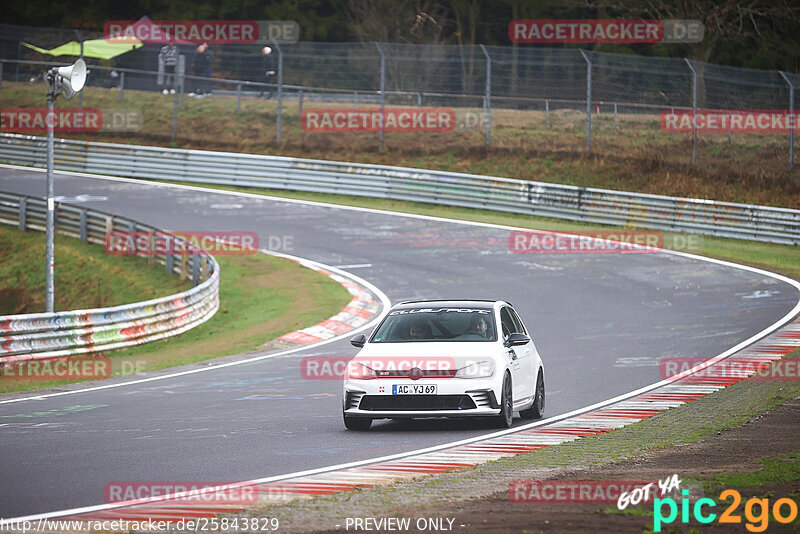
pixel 14 300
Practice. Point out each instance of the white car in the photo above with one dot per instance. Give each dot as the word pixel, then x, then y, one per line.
pixel 454 358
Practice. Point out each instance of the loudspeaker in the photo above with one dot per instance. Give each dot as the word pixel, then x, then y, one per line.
pixel 71 79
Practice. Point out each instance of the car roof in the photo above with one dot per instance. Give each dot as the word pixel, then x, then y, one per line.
pixel 450 303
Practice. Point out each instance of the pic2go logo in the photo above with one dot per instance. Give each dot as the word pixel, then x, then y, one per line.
pixel 758 520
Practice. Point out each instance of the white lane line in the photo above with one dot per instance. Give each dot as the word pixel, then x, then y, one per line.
pixel 385 302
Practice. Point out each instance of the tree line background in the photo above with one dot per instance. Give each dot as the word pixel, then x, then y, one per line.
pixel 759 34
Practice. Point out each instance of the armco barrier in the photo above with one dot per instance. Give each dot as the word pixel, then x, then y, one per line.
pixel 48 335
pixel 725 219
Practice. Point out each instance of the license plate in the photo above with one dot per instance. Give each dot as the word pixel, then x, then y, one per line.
pixel 414 389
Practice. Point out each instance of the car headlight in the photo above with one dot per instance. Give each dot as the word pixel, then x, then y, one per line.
pixel 483 369
pixel 359 371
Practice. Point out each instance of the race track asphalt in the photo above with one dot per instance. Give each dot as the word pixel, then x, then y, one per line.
pixel 602 323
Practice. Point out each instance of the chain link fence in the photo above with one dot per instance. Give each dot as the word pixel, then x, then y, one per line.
pixel 557 98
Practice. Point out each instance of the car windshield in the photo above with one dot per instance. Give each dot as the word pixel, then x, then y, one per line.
pixel 437 324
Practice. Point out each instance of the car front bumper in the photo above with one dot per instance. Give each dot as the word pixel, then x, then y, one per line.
pixel 454 398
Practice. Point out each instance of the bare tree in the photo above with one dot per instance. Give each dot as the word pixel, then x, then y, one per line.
pixel 723 20
pixel 402 21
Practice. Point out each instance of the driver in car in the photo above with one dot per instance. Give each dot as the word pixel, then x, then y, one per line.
pixel 419 330
pixel 478 325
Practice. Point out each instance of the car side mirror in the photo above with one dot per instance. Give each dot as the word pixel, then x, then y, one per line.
pixel 517 339
pixel 358 341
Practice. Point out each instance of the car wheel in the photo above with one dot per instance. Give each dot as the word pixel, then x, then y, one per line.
pixel 506 416
pixel 536 411
pixel 357 423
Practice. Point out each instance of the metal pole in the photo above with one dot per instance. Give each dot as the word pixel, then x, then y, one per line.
pixel 487 109
pixel 615 117
pixel 180 76
pixel 383 91
pixel 50 221
pixel 174 116
pixel 694 110
pixel 1 74
pixel 300 105
pixel 238 98
pixel 794 122
pixel 588 101
pixel 280 91
pixel 730 128
pixel 121 85
pixel 547 114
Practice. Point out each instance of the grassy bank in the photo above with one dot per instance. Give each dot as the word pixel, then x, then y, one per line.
pixel 85 276
pixel 261 298
pixel 638 156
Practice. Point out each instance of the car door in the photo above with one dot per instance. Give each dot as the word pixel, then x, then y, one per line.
pixel 527 358
pixel 508 327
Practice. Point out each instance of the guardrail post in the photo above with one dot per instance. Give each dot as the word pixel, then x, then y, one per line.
pixel 23 211
pixel 132 237
pixel 82 225
pixel 383 90
pixel 547 114
pixel 419 99
pixel 195 269
pixel 151 257
pixel 794 122
pixel 121 86
pixel 1 74
pixel 169 263
pixel 280 92
pixel 588 100
pixel 204 268
pixel 694 110
pixel 487 109
pixel 238 98
pixel 615 117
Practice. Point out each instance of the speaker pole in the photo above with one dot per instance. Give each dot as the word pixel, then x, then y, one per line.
pixel 52 78
pixel 70 80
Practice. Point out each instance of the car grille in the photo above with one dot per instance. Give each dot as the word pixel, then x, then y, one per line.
pixel 416 402
pixel 431 373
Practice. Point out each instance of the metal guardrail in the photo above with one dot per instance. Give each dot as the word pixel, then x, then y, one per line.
pixel 48 335
pixel 724 219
